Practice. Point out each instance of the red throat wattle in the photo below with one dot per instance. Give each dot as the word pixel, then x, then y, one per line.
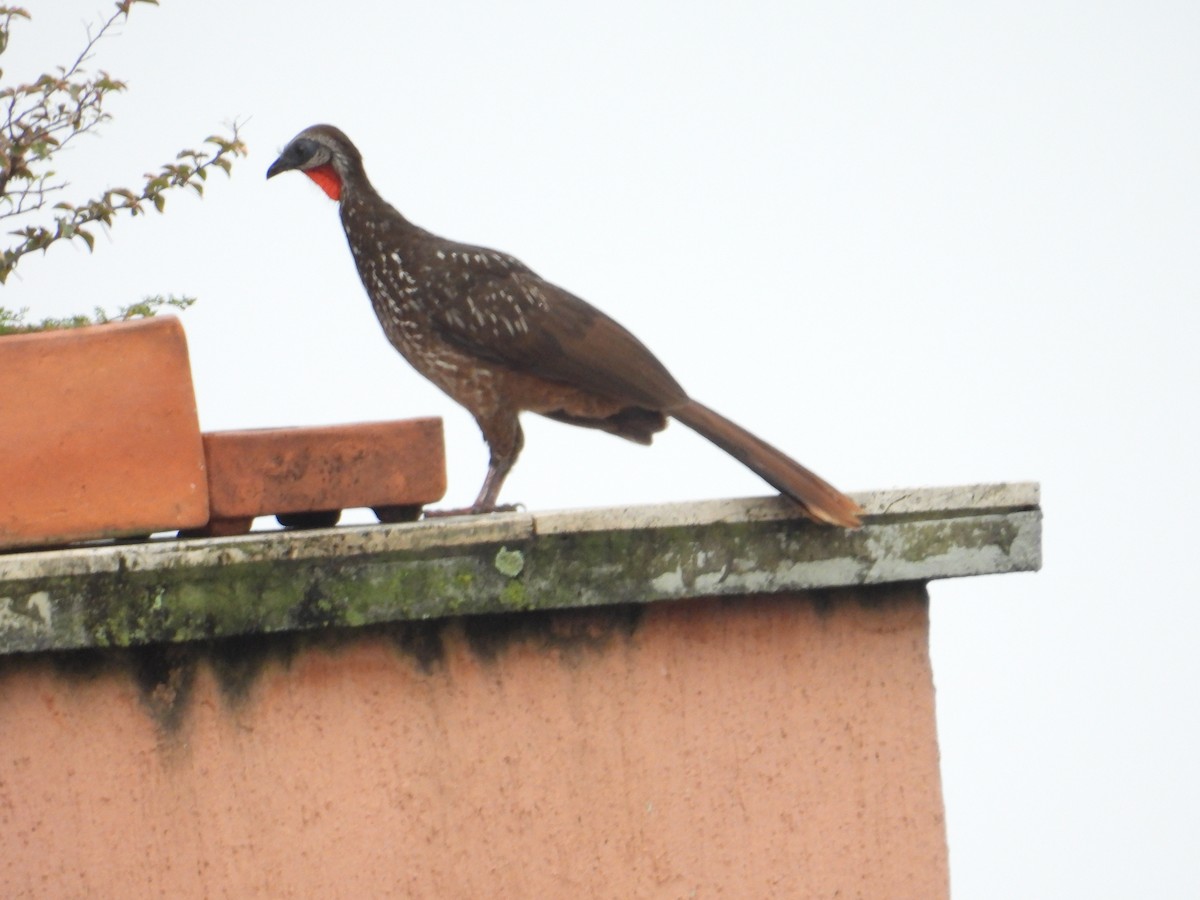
pixel 327 180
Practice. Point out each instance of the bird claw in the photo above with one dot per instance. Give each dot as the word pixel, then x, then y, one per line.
pixel 473 510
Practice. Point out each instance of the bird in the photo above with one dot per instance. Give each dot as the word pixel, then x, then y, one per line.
pixel 500 340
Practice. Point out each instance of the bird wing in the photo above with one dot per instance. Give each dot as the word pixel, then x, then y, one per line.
pixel 504 313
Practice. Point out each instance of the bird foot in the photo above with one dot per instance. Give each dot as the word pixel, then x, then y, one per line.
pixel 472 510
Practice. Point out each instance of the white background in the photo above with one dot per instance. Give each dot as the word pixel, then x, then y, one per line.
pixel 912 244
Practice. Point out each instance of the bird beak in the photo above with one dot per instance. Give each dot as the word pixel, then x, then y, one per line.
pixel 278 166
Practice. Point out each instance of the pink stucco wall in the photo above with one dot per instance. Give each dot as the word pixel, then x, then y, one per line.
pixel 755 747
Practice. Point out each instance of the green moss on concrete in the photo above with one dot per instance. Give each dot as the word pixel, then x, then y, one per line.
pixel 211 593
pixel 509 562
pixel 514 597
pixel 129 608
pixel 955 535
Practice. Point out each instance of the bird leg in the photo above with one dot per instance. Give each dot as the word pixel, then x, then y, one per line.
pixel 505 440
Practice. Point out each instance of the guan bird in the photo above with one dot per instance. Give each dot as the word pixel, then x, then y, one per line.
pixel 500 340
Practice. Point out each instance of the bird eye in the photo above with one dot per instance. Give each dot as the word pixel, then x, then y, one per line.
pixel 303 149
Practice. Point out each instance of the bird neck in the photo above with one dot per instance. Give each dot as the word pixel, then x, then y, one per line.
pixel 363 212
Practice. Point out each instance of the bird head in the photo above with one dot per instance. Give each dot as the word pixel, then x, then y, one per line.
pixel 325 155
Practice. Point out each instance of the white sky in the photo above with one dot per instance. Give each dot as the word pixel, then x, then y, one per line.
pixel 912 244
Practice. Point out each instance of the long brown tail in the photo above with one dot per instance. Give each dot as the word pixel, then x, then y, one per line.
pixel 819 499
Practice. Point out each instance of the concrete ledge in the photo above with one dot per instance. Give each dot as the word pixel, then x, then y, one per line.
pixel 172 591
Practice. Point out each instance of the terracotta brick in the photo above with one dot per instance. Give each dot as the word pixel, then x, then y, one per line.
pixel 399 464
pixel 100 436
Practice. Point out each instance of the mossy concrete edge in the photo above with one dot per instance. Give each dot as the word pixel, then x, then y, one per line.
pixel 176 591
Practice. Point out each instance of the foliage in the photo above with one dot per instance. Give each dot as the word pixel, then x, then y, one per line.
pixel 38 120
pixel 15 322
